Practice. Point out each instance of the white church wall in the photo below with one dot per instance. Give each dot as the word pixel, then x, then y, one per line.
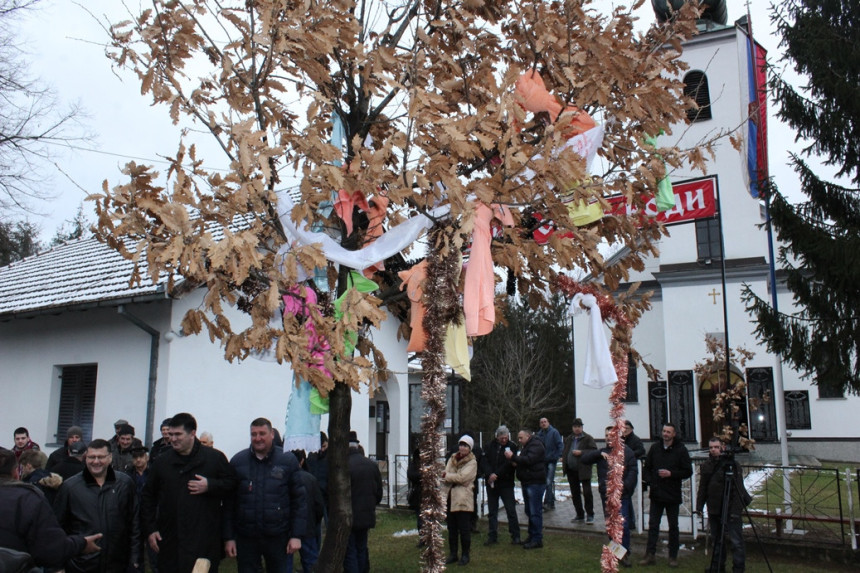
pixel 32 352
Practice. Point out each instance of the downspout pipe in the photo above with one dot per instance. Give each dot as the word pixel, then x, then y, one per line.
pixel 155 337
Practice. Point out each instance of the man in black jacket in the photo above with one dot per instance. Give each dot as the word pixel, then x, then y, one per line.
pixel 579 474
pixel 629 479
pixel 666 467
pixel 499 475
pixel 29 524
pixel 181 505
pixel 73 435
pixel 366 484
pixel 712 482
pixel 633 441
pixel 101 499
pixel 316 507
pixel 268 515
pixel 531 471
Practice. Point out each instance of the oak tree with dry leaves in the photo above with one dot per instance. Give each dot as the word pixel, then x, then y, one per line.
pixel 433 126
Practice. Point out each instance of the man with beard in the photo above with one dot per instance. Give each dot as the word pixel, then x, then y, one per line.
pixel 181 505
pixel 101 500
pixel 73 435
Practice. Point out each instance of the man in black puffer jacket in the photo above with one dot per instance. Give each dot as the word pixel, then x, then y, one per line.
pixel 99 499
pixel 531 471
pixel 181 503
pixel 268 515
pixel 667 465
pixel 28 524
pixel 629 479
pixel 499 475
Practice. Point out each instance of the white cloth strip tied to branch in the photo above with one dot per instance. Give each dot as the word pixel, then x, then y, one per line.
pixel 585 145
pixel 599 370
pixel 390 243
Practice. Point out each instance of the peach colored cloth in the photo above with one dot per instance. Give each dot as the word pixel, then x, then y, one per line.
pixel 534 97
pixel 377 207
pixel 413 281
pixel 345 204
pixel 480 285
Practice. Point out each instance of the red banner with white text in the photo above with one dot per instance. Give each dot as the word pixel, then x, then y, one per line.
pixel 695 199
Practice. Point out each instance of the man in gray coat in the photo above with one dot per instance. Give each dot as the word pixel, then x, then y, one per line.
pixel 579 474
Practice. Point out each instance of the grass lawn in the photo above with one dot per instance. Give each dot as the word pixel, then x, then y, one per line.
pixel 562 553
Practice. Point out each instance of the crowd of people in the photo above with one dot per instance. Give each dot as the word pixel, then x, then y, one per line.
pixel 111 505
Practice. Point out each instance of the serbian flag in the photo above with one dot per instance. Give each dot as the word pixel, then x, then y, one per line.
pixel 757 122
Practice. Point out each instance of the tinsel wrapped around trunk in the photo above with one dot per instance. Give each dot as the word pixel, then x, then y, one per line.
pixel 621 335
pixel 442 307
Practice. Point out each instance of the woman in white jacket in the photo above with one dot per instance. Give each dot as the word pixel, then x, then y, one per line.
pixel 457 483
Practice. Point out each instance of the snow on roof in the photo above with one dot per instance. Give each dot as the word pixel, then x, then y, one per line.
pixel 80 272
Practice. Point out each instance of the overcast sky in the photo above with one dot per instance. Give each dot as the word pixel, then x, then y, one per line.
pixel 64 45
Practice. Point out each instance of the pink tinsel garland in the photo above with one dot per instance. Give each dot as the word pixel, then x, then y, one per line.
pixel 615 478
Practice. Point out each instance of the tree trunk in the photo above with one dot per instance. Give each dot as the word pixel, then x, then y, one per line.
pixel 339 491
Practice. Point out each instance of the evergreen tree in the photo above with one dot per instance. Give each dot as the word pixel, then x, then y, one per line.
pixel 820 235
pixel 18 239
pixel 522 370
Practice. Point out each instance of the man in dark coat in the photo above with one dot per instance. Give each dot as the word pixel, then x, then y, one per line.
pixel 531 471
pixel 267 517
pixel 181 505
pixel 578 474
pixel 667 465
pixel 100 499
pixel 629 478
pixel 552 446
pixel 73 435
pixel 73 463
pixel 316 507
pixel 28 523
pixel 712 482
pixel 366 483
pixel 499 475
pixel 162 444
pixel 633 441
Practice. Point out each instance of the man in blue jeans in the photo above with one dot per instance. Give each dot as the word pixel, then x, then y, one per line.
pixel 552 445
pixel 531 471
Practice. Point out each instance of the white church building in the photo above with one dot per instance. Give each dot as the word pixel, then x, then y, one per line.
pixel 79 346
pixel 686 280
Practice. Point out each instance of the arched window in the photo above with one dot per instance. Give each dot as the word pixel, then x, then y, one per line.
pixel 696 87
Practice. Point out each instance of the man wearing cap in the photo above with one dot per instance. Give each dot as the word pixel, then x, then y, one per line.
pixel 114 441
pixel 267 517
pixel 162 444
pixel 499 475
pixel 73 434
pixel 73 463
pixel 531 471
pixel 579 474
pixel 366 483
pixel 138 471
pixel 125 443
pixel 100 499
pixel 633 441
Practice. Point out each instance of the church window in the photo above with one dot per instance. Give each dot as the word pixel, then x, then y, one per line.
pixel 632 380
pixel 696 88
pixel 672 401
pixel 77 399
pixel 762 408
pixel 797 410
pixel 708 246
